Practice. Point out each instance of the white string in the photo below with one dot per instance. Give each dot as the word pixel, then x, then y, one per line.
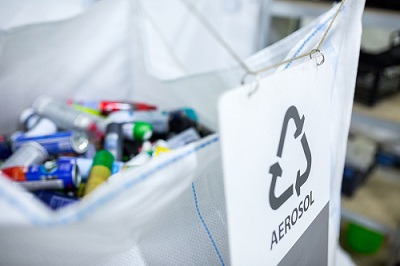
pixel 163 38
pixel 214 33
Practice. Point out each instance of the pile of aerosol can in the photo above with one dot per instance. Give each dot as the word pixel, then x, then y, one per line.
pixel 66 149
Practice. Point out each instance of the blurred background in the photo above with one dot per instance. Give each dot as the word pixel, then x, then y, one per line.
pixel 371 179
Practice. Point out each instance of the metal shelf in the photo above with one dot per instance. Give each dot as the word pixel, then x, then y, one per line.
pixel 297 8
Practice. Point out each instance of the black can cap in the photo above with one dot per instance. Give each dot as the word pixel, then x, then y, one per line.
pixel 114 128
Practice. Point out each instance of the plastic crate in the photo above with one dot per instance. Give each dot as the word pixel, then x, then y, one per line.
pixel 379 74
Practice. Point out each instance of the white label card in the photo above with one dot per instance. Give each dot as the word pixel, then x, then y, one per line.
pixel 275 149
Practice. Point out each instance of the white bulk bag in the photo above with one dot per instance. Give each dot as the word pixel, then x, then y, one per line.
pixel 89 56
pixel 172 210
pixel 23 12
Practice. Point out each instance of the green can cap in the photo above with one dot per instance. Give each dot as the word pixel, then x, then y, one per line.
pixel 142 130
pixel 104 158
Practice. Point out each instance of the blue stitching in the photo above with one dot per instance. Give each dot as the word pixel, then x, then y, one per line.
pixel 107 197
pixel 205 226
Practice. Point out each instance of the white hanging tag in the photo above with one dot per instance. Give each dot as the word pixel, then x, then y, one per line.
pixel 275 148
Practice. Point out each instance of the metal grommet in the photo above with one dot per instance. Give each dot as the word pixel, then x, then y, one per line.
pixel 318 51
pixel 245 76
pixel 253 84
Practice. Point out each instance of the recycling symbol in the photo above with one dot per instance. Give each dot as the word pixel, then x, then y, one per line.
pixel 276 170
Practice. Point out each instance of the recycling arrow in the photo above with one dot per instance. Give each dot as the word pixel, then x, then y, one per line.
pixel 276 170
pixel 301 179
pixel 276 202
pixel 291 113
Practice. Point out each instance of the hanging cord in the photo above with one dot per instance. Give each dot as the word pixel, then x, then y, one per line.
pixel 317 50
pixel 192 9
pixel 258 71
pixel 330 25
pixel 215 34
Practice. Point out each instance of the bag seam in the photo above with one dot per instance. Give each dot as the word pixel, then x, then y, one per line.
pixel 205 226
pixel 81 214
